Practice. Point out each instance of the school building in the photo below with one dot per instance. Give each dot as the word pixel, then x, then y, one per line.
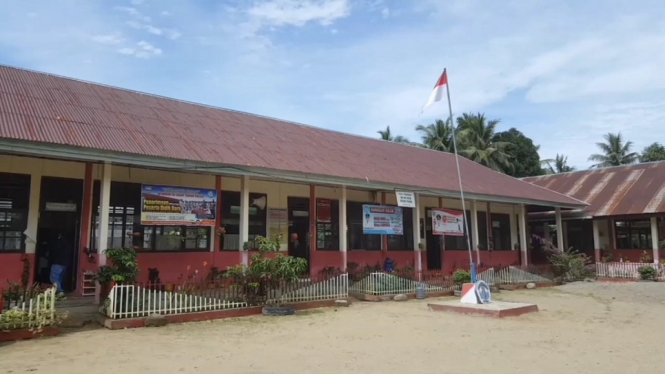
pixel 625 218
pixel 84 167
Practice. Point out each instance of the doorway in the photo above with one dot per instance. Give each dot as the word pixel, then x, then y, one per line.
pixel 299 227
pixel 58 230
pixel 433 242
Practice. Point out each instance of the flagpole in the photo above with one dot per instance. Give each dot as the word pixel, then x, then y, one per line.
pixel 461 189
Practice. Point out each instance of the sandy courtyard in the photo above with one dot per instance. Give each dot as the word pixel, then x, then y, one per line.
pixel 582 328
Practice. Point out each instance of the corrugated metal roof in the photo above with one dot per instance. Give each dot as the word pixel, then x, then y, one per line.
pixel 43 108
pixel 623 190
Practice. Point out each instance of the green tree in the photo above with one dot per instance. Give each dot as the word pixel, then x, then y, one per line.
pixel 654 152
pixel 614 152
pixel 522 152
pixel 437 136
pixel 477 142
pixel 557 165
pixel 387 135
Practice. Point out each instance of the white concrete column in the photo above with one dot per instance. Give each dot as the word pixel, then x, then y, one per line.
pixel 343 242
pixel 655 239
pixel 33 213
pixel 104 210
pixel 523 239
pixel 596 240
pixel 417 258
pixel 474 225
pixel 559 229
pixel 514 237
pixel 244 217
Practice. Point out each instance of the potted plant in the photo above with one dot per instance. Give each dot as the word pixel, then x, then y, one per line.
pixel 265 276
pixel 123 268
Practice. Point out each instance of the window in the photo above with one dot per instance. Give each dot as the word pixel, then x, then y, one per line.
pixel 356 239
pixel 327 224
pixel 634 234
pixel 458 243
pixel 403 242
pixel 14 203
pixel 125 229
pixel 501 231
pixel 231 218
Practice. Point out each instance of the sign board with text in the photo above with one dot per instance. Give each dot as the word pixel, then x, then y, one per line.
pixel 405 199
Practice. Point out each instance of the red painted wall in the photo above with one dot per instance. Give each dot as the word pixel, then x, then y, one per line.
pixel 323 259
pixel 634 255
pixel 402 259
pixel 11 267
pixel 173 266
pixel 453 260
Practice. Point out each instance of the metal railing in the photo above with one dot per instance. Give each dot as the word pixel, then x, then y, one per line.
pixel 34 313
pixel 627 270
pixel 517 275
pixel 399 282
pixel 142 300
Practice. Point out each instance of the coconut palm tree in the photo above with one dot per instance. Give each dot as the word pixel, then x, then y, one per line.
pixel 387 135
pixel 614 152
pixel 437 135
pixel 478 143
pixel 557 165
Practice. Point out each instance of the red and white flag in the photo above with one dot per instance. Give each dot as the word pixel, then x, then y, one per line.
pixel 437 93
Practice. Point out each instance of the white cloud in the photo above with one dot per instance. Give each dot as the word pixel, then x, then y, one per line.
pixel 111 39
pixel 143 49
pixel 299 12
pixel 153 30
pixel 165 13
pixel 385 12
pixel 133 12
pixel 137 2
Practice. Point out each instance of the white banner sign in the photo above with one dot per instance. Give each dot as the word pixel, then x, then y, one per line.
pixel 447 222
pixel 405 199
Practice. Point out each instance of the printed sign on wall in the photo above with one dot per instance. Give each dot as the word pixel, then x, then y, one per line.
pixel 405 199
pixel 382 220
pixel 447 222
pixel 177 206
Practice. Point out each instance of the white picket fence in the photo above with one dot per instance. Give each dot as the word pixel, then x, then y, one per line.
pixel 379 283
pixel 626 270
pixel 35 313
pixel 130 301
pixel 330 289
pixel 511 275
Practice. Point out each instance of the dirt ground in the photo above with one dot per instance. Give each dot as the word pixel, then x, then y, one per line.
pixel 581 328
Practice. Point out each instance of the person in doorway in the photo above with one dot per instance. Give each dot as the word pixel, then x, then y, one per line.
pixel 62 257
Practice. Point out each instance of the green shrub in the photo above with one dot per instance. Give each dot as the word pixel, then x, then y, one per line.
pixel 569 264
pixel 123 268
pixel 648 272
pixel 461 276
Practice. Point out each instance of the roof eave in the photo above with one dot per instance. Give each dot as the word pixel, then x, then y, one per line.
pixel 56 151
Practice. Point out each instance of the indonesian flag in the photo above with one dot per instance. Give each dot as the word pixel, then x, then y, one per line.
pixel 438 91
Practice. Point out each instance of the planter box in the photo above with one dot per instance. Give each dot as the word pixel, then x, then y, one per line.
pixel 23 334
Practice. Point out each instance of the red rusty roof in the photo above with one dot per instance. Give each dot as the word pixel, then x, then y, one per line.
pixel 43 108
pixel 622 190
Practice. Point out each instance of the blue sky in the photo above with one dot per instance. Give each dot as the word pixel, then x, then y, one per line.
pixel 563 72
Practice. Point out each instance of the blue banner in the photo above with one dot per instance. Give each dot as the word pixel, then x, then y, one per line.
pixel 382 220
